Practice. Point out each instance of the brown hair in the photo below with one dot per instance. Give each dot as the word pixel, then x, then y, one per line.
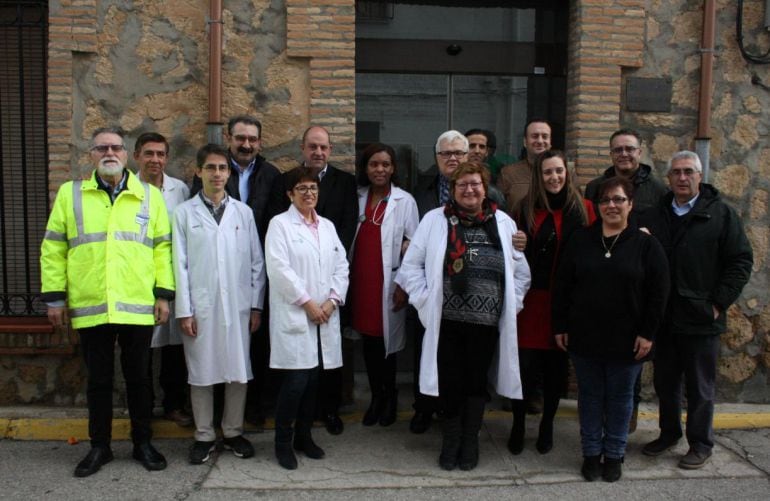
pixel 470 168
pixel 537 193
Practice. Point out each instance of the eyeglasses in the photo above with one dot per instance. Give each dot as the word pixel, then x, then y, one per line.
pixel 614 200
pixel 619 150
pixel 242 139
pixel 463 186
pixel 104 148
pixel 688 172
pixel 303 190
pixel 450 154
pixel 216 168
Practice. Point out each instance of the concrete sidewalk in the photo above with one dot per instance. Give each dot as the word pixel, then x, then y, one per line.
pixel 384 463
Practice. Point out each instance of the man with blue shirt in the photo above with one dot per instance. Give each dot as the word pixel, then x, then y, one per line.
pixel 710 260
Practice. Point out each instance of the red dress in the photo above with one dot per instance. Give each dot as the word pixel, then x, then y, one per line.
pixel 366 275
pixel 534 320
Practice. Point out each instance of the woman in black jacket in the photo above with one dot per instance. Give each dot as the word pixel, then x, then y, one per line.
pixel 609 300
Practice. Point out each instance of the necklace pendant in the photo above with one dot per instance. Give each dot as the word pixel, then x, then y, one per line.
pixel 607 254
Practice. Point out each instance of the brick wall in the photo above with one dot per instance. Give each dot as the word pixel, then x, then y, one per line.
pixel 324 31
pixel 605 36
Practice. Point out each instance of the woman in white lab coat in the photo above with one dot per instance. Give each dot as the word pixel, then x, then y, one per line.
pixel 308 273
pixel 387 219
pixel 467 283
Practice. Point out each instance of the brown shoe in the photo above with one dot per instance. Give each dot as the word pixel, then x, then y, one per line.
pixel 180 417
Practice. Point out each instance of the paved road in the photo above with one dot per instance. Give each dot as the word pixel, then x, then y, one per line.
pixel 390 463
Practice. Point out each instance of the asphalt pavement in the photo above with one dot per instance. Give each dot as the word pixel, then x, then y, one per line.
pixel 39 454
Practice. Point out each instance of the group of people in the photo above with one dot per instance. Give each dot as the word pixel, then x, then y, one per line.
pixel 501 282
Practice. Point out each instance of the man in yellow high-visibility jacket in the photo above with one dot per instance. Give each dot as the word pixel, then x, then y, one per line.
pixel 106 267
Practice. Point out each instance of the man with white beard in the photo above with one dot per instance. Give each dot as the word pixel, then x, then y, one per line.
pixel 106 267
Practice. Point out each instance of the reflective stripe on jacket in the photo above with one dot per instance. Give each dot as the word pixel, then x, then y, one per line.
pixel 107 259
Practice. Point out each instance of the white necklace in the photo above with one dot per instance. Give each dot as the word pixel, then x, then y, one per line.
pixel 375 220
pixel 608 253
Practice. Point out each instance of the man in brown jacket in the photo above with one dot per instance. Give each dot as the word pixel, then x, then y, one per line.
pixel 514 179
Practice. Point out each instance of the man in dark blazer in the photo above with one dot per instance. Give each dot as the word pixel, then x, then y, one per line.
pixel 251 179
pixel 338 202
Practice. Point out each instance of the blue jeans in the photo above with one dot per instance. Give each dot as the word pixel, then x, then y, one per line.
pixel 605 402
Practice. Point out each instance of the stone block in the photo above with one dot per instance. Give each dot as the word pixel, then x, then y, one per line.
pixel 737 368
pixel 745 132
pixel 739 329
pixel 733 180
pixel 32 374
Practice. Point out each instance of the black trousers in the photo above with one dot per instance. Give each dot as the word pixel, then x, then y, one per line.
pixel 422 403
pixel 172 377
pixel 296 403
pixel 380 370
pixel 694 359
pixel 464 354
pixel 98 345
pixel 259 351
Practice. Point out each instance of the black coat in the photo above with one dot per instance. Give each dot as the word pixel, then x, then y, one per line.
pixel 260 185
pixel 603 303
pixel 647 189
pixel 337 201
pixel 710 260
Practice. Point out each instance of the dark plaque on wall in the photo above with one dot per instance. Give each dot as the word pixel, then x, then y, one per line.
pixel 648 94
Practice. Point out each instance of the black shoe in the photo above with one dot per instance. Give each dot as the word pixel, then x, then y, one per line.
pixel 612 469
pixel 544 442
pixel 389 409
pixel 305 444
pixel 96 457
pixel 200 451
pixel 659 446
pixel 150 458
pixel 694 459
pixel 372 414
pixel 516 440
pixel 333 424
pixel 420 422
pixel 592 468
pixel 285 455
pixel 241 447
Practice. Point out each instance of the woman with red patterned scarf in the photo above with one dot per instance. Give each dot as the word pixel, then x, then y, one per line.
pixel 467 283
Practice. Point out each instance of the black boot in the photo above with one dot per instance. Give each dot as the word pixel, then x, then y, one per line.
pixel 283 451
pixel 450 445
pixel 516 440
pixel 592 468
pixel 374 411
pixel 390 409
pixel 613 469
pixel 473 417
pixel 303 442
pixel 544 442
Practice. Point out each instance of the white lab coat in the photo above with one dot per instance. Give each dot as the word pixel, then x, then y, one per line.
pixel 175 191
pixel 422 277
pixel 220 277
pixel 400 222
pixel 298 265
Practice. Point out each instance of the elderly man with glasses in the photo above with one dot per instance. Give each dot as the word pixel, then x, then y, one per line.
pixel 106 268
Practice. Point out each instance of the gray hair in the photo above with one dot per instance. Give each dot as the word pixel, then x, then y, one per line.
pixel 685 155
pixel 115 129
pixel 450 136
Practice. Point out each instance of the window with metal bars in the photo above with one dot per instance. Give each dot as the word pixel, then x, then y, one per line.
pixel 23 154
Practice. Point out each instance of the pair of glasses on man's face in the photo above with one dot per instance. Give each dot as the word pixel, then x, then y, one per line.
pixel 302 190
pixel 619 150
pixel 104 148
pixel 450 154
